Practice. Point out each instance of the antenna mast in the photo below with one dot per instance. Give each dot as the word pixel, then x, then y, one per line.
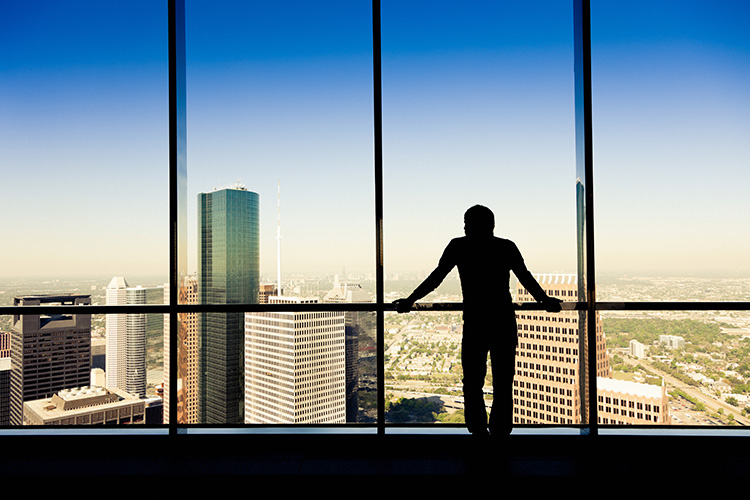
pixel 278 241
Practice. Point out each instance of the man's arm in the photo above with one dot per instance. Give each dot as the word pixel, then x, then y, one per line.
pixel 430 283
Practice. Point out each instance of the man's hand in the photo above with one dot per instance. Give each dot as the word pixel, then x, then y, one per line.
pixel 552 305
pixel 403 305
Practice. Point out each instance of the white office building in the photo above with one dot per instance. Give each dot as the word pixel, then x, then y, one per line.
pixel 295 365
pixel 117 334
pixel 125 363
pixel 637 350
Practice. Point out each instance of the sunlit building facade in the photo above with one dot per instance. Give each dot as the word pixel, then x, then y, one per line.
pixel 188 360
pixel 125 361
pixel 228 273
pixel 547 385
pixel 117 334
pixel 622 402
pixel 295 366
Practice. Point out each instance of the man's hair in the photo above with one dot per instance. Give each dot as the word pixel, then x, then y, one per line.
pixel 480 217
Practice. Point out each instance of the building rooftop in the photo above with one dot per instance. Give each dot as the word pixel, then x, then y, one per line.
pixel 627 387
pixel 556 279
pixel 66 401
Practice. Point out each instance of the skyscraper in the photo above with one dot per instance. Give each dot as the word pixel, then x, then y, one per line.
pixel 228 273
pixel 48 352
pixel 547 385
pixel 127 335
pixel 295 366
pixel 117 333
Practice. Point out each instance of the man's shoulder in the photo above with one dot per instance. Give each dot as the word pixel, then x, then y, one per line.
pixel 492 240
pixel 465 245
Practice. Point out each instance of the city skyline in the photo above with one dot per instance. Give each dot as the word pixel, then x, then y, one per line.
pixel 487 91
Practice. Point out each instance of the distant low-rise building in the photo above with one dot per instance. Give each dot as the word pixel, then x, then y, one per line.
pixel 672 341
pixel 637 349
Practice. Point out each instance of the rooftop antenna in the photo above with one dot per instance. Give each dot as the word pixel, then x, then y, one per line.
pixel 278 240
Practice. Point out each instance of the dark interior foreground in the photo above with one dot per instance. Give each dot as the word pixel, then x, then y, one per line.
pixel 541 461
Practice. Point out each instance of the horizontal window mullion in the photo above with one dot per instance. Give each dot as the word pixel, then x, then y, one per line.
pixel 362 306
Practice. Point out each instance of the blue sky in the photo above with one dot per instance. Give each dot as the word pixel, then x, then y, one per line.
pixel 477 108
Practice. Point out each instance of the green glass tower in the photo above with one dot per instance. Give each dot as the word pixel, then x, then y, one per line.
pixel 228 252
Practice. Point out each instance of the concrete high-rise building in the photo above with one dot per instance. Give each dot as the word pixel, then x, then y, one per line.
pixel 187 361
pixel 135 345
pixel 547 386
pixel 127 335
pixel 295 366
pixel 48 352
pixel 117 334
pixel 228 273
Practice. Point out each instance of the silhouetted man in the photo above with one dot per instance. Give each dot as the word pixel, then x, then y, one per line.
pixel 484 263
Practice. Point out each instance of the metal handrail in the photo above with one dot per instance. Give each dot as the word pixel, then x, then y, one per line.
pixel 361 306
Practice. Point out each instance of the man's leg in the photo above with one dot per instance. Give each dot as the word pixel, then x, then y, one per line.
pixel 503 372
pixel 474 363
pixel 503 355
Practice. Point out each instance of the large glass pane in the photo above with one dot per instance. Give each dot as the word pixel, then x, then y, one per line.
pixel 478 108
pixel 423 368
pixel 671 113
pixel 676 368
pixel 84 148
pixel 280 170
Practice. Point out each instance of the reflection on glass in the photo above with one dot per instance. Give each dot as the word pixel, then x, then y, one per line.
pixel 676 367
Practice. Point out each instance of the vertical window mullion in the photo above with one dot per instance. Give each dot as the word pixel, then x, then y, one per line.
pixel 378 166
pixel 585 208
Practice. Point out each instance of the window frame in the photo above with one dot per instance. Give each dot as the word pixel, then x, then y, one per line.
pixel 588 306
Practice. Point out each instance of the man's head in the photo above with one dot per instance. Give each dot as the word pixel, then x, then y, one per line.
pixel 478 221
